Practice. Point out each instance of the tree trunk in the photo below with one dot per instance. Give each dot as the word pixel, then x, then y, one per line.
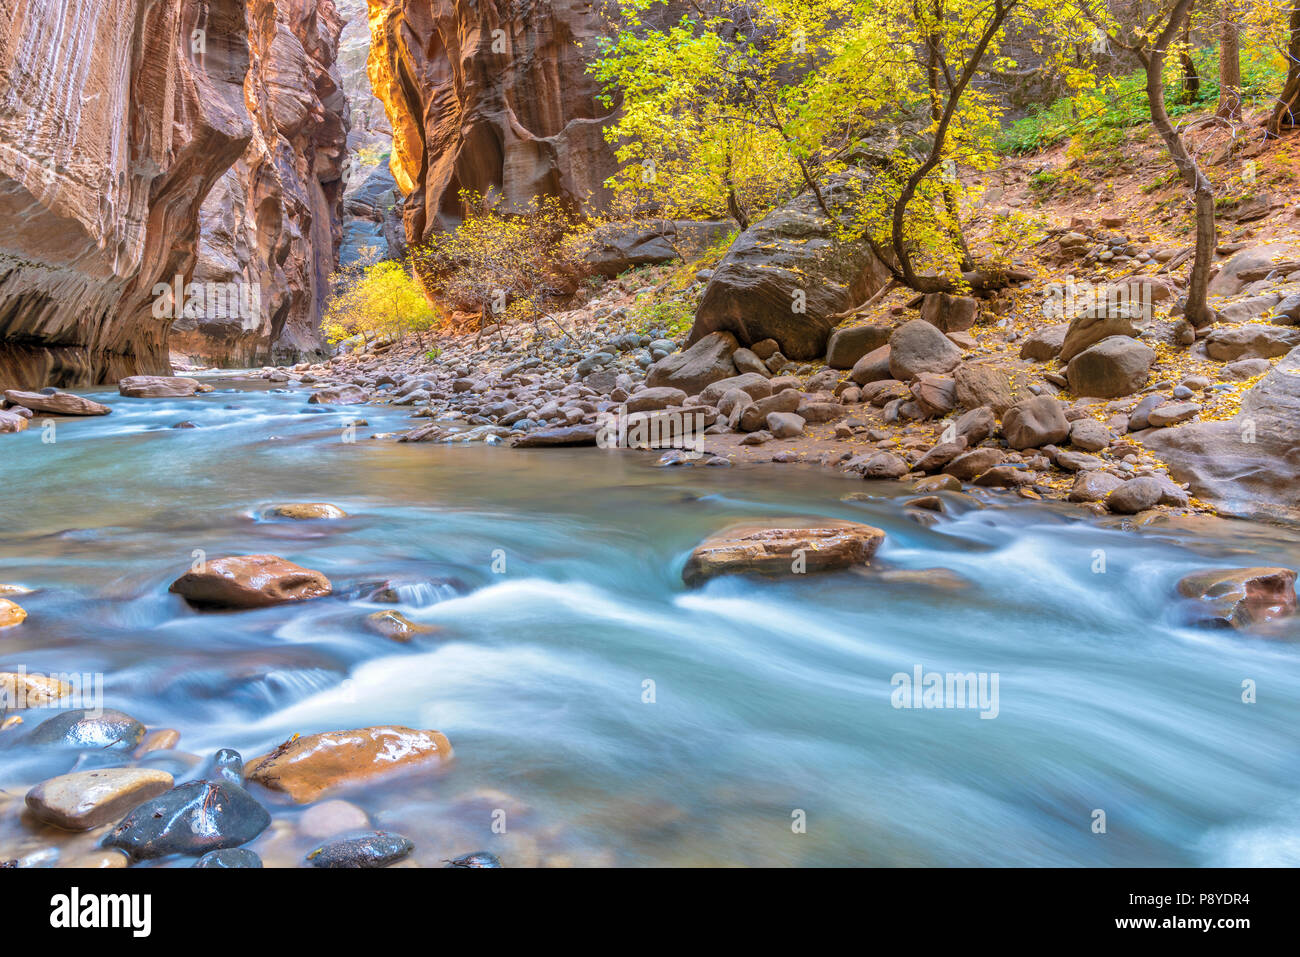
pixel 1191 79
pixel 1197 311
pixel 1229 64
pixel 1286 114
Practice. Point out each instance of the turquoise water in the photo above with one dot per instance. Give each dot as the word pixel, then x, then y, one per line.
pixel 555 576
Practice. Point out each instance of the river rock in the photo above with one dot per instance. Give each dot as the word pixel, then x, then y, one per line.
pixel 476 859
pixel 751 383
pixel 980 384
pixel 60 403
pixel 1089 434
pixel 917 347
pixel 230 857
pixel 329 818
pixel 1033 423
pixel 562 436
pixel 12 422
pixel 21 690
pixel 1172 413
pixel 754 417
pixel 1088 329
pixel 1093 486
pixel 192 819
pixel 250 581
pixel 1044 344
pixel 950 313
pixel 303 511
pixel 652 400
pixel 160 387
pixel 1251 340
pixel 880 466
pixel 376 849
pixel 872 367
pixel 1113 367
pixel 84 729
pixel 705 362
pixel 976 425
pixel 305 767
pixel 339 395
pixel 780 551
pixel 85 799
pixel 1241 597
pixel 1135 495
pixel 975 462
pixel 785 425
pixel 848 344
pixel 11 613
pixel 395 625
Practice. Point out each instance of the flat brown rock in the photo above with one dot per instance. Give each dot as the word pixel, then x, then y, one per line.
pixel 60 403
pixel 86 799
pixel 305 767
pixel 1241 597
pixel 159 387
pixel 250 581
pixel 20 690
pixel 765 550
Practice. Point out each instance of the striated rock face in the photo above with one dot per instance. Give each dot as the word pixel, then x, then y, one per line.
pixel 491 96
pixel 114 126
pixel 273 223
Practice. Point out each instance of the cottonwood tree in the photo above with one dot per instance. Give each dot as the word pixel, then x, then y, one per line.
pixel 1149 37
pixel 1281 18
pixel 1229 63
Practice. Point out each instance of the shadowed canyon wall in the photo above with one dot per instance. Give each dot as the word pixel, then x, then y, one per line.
pixel 491 96
pixel 112 131
pixel 273 221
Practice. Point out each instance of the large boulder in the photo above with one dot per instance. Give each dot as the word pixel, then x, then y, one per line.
pixel 1113 367
pixel 305 767
pixel 58 403
pixel 1089 328
pixel 1250 265
pixel 950 313
pixel 618 247
pixel 782 551
pixel 1251 340
pixel 160 387
pixel 786 277
pixel 249 581
pixel 848 344
pixel 917 347
pixel 1246 466
pixel 980 384
pixel 339 395
pixel 706 361
pixel 1044 344
pixel 192 819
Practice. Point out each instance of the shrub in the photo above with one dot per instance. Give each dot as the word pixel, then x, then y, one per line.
pixel 379 301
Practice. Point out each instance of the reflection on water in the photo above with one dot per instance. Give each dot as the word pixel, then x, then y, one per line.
pixel 615 717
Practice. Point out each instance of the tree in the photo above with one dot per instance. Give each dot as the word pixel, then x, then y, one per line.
pixel 510 266
pixel 1229 63
pixel 1149 40
pixel 377 300
pixel 1286 112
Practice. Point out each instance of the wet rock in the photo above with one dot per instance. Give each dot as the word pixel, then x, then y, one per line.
pixel 940 455
pixel 879 466
pixel 303 511
pixel 1135 495
pixel 1113 367
pixel 560 437
pixel 159 387
pixel 85 729
pixel 705 362
pixel 20 690
pixel 86 799
pixel 377 849
pixel 917 347
pixel 58 403
pixel 159 739
pixel 395 625
pixel 11 613
pixel 192 819
pixel 781 551
pixel 937 483
pixel 230 857
pixel 1035 422
pixel 339 395
pixel 1241 597
pixel 226 765
pixel 305 767
pixel 250 581
pixel 477 859
pixel 1006 476
pixel 11 422
pixel 330 818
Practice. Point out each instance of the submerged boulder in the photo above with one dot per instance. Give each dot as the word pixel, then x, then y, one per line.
pixel 160 387
pixel 306 767
pixel 1240 597
pixel 249 581
pixel 782 551
pixel 376 849
pixel 99 731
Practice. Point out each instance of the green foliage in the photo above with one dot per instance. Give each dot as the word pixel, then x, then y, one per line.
pixel 378 300
pixel 672 315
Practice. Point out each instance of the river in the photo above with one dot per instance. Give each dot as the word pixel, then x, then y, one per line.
pixel 615 716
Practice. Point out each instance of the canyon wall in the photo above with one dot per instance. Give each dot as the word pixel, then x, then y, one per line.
pixel 115 122
pixel 274 221
pixel 491 96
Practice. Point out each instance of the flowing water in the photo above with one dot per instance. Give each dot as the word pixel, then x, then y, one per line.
pixel 615 716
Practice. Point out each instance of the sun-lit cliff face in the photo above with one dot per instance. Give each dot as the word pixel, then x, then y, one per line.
pixel 489 97
pixel 116 117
